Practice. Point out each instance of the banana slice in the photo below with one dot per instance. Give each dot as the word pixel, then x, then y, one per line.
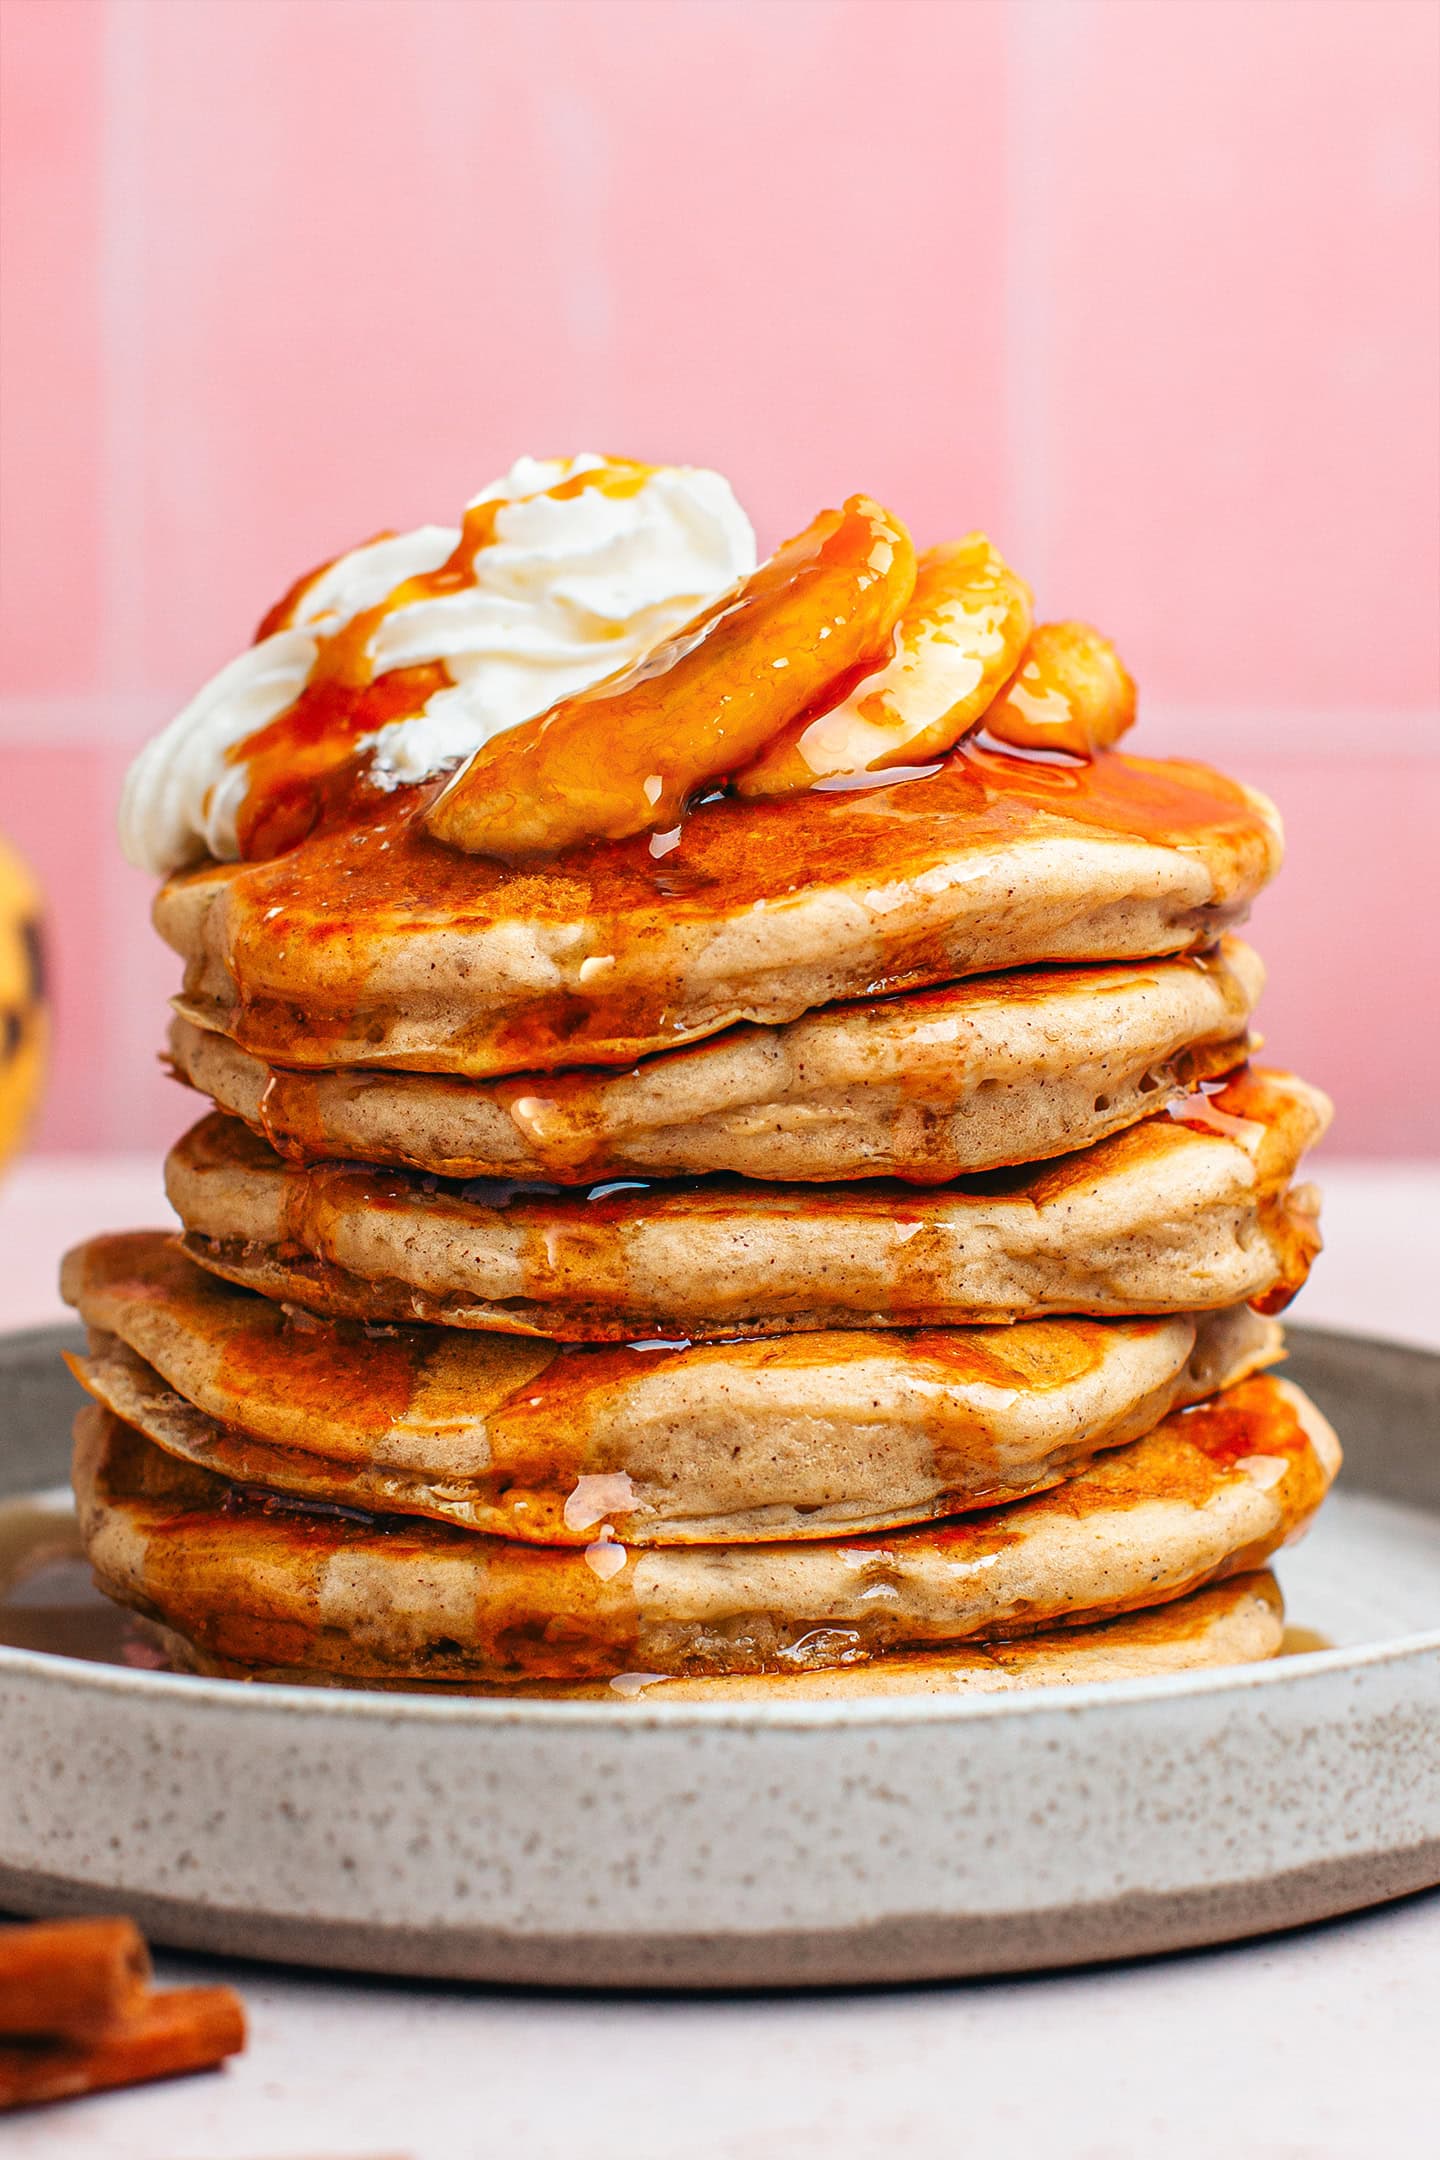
pixel 956 645
pixel 1070 692
pixel 624 757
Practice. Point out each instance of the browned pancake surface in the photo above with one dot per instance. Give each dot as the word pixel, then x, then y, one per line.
pixel 376 945
pixel 1190 1210
pixel 1211 1492
pixel 1241 1622
pixel 927 1085
pixel 797 1436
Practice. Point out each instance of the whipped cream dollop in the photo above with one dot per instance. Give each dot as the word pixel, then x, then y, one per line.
pixel 575 578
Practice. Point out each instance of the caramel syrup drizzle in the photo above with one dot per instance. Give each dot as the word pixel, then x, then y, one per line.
pixel 304 769
pixel 303 765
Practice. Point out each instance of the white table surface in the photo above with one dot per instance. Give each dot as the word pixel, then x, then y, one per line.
pixel 1314 2046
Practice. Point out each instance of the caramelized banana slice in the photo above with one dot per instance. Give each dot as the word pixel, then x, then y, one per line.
pixel 625 756
pixel 956 643
pixel 1070 692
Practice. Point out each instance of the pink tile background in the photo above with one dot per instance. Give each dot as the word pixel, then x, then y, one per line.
pixel 1146 287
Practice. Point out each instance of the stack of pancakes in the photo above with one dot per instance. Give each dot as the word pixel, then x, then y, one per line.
pixel 831 1254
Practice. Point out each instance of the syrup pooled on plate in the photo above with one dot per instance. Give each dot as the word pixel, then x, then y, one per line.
pixel 48 1598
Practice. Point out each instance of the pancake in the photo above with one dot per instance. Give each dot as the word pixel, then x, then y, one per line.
pixel 1241 1622
pixel 806 1436
pixel 373 944
pixel 924 1086
pixel 1190 1210
pixel 1211 1492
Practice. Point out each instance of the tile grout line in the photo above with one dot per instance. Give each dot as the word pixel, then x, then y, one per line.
pixel 122 322
pixel 122 477
pixel 1027 311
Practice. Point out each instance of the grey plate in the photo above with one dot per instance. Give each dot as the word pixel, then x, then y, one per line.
pixel 693 1846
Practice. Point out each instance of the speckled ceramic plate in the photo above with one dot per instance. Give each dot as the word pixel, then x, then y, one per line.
pixel 600 1845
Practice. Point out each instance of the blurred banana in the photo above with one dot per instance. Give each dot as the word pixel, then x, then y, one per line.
pixel 22 1001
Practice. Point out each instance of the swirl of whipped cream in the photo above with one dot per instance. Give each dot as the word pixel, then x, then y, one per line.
pixel 575 580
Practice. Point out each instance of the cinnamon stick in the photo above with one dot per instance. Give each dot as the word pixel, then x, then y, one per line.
pixel 70 1979
pixel 178 2030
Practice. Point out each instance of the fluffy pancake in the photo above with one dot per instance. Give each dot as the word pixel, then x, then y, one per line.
pixel 374 944
pixel 805 1436
pixel 925 1086
pixel 1192 1209
pixel 1211 1492
pixel 1241 1622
